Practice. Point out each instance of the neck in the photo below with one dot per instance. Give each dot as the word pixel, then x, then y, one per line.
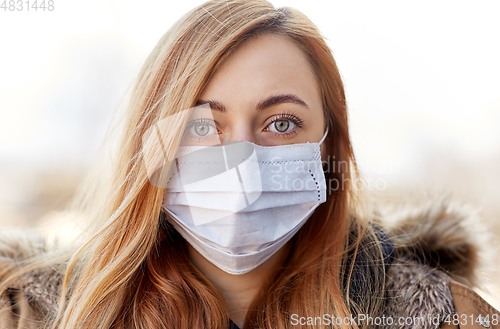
pixel 238 290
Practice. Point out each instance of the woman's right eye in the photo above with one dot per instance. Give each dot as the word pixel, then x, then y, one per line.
pixel 201 131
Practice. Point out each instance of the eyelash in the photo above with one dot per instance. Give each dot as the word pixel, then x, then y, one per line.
pixel 200 121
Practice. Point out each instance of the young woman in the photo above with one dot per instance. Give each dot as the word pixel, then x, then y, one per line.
pixel 233 201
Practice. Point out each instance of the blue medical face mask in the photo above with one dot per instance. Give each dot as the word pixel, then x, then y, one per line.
pixel 238 204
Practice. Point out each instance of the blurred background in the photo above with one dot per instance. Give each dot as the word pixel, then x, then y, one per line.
pixel 422 81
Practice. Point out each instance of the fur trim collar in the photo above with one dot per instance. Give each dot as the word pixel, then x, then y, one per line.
pixel 441 234
pixel 431 241
pixel 434 240
pixel 417 296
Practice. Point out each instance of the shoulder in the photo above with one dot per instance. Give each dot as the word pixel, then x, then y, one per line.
pixel 471 309
pixel 439 248
pixel 30 300
pixel 418 295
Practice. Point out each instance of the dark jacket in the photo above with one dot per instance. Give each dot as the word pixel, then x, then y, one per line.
pixel 435 249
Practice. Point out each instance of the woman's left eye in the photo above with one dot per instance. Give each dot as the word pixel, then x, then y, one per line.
pixel 285 124
pixel 281 126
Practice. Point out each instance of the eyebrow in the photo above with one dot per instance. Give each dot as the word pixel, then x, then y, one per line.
pixel 268 102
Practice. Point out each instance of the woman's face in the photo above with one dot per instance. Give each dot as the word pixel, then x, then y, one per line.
pixel 266 93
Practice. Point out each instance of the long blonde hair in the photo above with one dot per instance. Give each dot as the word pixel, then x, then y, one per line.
pixel 133 269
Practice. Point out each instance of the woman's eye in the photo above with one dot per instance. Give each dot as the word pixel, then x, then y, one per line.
pixel 201 133
pixel 281 126
pixel 202 129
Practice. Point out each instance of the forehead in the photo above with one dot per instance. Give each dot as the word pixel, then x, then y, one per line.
pixel 264 65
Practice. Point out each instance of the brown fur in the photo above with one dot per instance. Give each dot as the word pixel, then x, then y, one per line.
pixel 440 233
pixel 415 291
pixel 432 239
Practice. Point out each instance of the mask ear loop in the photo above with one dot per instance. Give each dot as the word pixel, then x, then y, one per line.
pixel 319 144
pixel 324 137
